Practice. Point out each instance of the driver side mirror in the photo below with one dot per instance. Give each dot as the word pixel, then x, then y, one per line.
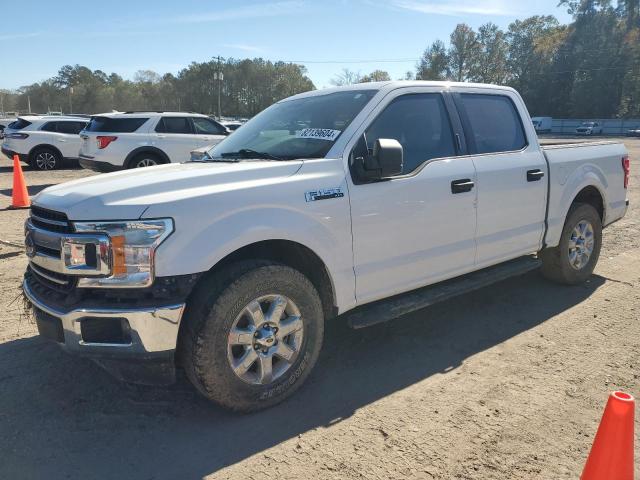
pixel 385 161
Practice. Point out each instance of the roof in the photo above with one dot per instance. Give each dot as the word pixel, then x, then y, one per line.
pixel 149 113
pixel 35 118
pixel 391 85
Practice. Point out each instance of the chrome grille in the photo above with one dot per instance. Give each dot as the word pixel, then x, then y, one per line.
pixel 47 231
pixel 50 220
pixel 51 280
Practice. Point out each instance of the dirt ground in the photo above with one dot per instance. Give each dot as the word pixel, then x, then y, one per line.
pixel 508 382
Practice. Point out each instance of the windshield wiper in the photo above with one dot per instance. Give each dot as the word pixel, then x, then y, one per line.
pixel 249 153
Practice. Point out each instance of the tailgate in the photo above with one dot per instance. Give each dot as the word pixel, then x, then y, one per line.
pixel 88 144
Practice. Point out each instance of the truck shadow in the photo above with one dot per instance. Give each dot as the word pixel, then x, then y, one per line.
pixel 62 417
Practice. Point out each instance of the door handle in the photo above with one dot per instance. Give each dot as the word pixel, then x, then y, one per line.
pixel 534 175
pixel 161 136
pixel 462 185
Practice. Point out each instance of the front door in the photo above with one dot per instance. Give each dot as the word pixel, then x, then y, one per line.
pixel 69 141
pixel 418 227
pixel 175 137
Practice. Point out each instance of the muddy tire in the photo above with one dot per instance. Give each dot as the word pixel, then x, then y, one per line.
pixel 572 262
pixel 251 335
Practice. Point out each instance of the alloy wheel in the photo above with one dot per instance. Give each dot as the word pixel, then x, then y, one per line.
pixel 265 339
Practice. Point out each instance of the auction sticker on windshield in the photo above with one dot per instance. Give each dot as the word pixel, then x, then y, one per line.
pixel 319 133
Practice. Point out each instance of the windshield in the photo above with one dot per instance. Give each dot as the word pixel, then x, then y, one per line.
pixel 303 128
pixel 588 124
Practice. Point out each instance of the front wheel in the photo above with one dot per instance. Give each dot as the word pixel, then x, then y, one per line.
pixel 574 259
pixel 252 334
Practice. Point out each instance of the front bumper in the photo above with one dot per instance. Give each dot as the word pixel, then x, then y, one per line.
pixel 98 166
pixel 151 336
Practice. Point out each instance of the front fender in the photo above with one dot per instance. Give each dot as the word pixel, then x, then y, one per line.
pixel 206 244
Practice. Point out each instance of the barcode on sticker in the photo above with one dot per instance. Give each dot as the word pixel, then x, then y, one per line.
pixel 319 133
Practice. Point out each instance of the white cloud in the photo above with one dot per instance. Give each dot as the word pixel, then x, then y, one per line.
pixel 257 10
pixel 14 36
pixel 244 48
pixel 437 7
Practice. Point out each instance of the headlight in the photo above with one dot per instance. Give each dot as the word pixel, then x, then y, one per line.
pixel 133 245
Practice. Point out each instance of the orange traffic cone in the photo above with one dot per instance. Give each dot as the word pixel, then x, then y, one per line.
pixel 20 195
pixel 611 455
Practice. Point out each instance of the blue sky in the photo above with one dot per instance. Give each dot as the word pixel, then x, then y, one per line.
pixel 40 36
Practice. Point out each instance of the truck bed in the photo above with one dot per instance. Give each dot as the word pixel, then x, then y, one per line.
pixel 548 143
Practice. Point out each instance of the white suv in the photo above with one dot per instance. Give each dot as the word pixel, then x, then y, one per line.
pixel 114 141
pixel 45 142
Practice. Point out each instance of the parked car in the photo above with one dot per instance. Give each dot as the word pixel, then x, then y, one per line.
pixel 230 267
pixel 589 128
pixel 115 141
pixel 232 125
pixel 44 142
pixel 633 132
pixel 542 124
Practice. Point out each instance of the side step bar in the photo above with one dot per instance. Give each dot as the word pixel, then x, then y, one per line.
pixel 394 307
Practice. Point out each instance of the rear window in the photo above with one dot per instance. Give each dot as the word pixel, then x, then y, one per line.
pixel 115 125
pixel 493 121
pixel 19 124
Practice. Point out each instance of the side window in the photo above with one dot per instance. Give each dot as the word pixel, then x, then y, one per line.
pixel 206 126
pixel 420 123
pixel 50 127
pixel 174 125
pixel 492 123
pixel 71 128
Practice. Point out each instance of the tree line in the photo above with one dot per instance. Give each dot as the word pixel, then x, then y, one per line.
pixel 588 68
pixel 244 86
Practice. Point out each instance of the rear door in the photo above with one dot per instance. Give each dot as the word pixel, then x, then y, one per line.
pixel 512 174
pixel 175 137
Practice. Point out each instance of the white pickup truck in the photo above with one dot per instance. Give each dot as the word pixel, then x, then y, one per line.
pixel 362 203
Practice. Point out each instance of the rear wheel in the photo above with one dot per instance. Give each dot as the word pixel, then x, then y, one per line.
pixel 46 159
pixel 252 334
pixel 575 258
pixel 145 160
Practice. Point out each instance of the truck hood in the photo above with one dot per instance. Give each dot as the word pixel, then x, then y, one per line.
pixel 127 194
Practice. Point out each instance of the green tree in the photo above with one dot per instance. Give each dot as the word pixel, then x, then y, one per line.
pixel 376 76
pixel 434 63
pixel 462 51
pixel 489 63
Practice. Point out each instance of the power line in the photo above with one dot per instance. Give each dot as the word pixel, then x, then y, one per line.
pixel 384 60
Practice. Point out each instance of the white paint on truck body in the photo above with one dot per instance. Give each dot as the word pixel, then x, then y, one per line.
pixel 377 239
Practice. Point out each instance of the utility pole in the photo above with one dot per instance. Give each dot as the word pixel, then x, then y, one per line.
pixel 70 101
pixel 219 76
pixel 29 104
pixel 2 104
